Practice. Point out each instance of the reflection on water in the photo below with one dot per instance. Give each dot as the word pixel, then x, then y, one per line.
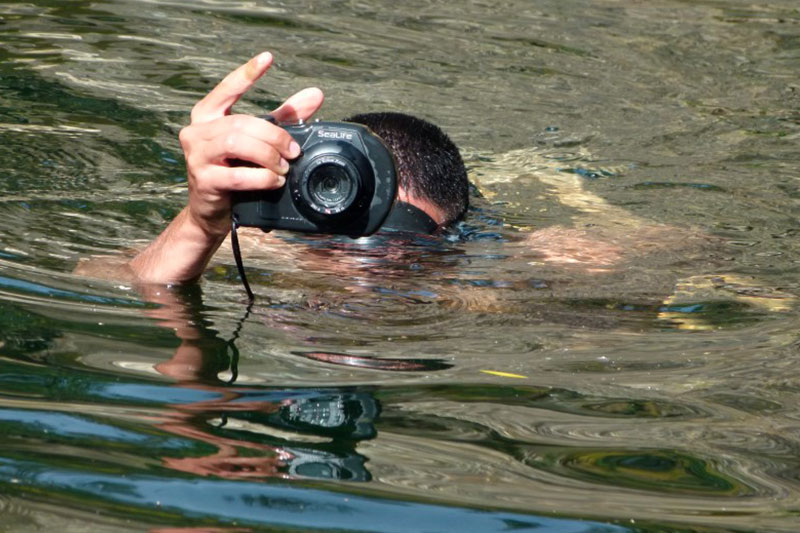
pixel 607 343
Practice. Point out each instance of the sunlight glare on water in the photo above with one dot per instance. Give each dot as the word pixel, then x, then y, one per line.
pixel 607 343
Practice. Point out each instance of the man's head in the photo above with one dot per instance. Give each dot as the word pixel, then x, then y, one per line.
pixel 431 173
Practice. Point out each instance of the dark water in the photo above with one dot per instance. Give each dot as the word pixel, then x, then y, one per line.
pixel 498 382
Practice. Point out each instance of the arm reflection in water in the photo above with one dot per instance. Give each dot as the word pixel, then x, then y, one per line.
pixel 257 432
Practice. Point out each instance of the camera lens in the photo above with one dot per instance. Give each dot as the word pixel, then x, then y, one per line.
pixel 331 186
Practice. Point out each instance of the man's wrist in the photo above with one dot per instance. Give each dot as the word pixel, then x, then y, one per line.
pixel 180 253
pixel 213 228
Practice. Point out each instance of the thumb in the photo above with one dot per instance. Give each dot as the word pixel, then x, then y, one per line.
pixel 300 106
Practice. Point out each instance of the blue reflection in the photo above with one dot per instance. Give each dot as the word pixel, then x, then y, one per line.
pixel 248 503
pixel 68 425
pixel 161 394
pixel 62 425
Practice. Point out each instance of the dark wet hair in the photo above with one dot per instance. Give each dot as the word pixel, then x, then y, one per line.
pixel 429 164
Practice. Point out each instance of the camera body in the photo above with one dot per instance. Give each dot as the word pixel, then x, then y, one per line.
pixel 344 182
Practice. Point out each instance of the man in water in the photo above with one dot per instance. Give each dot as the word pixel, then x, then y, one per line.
pixel 433 187
pixel 432 180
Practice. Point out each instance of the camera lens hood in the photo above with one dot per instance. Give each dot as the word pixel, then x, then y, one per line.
pixel 330 182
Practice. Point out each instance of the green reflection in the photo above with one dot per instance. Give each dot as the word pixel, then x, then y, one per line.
pixel 653 470
pixel 555 399
pixel 637 408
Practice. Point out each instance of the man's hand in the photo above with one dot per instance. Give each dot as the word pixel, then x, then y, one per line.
pixel 210 142
pixel 215 137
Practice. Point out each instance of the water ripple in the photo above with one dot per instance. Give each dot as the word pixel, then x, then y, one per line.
pixel 517 365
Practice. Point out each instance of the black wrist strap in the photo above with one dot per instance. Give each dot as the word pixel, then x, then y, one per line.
pixel 237 256
pixel 231 344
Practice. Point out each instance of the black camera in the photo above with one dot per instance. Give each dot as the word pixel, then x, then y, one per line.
pixel 344 182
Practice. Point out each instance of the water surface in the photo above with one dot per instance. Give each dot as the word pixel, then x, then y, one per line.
pixel 517 376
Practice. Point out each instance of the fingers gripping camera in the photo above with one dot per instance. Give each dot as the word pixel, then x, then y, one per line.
pixel 344 182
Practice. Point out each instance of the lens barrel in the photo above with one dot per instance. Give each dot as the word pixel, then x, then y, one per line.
pixel 330 185
pixel 333 181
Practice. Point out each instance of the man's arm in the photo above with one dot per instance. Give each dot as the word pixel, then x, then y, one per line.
pixel 213 139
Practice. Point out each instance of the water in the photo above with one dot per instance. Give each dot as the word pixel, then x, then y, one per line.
pixel 522 377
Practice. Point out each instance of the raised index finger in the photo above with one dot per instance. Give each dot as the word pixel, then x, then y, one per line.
pixel 219 101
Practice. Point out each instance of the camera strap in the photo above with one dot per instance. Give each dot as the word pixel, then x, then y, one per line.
pixel 409 218
pixel 237 252
pixel 237 256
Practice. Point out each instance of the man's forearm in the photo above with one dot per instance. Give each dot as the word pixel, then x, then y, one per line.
pixel 181 253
